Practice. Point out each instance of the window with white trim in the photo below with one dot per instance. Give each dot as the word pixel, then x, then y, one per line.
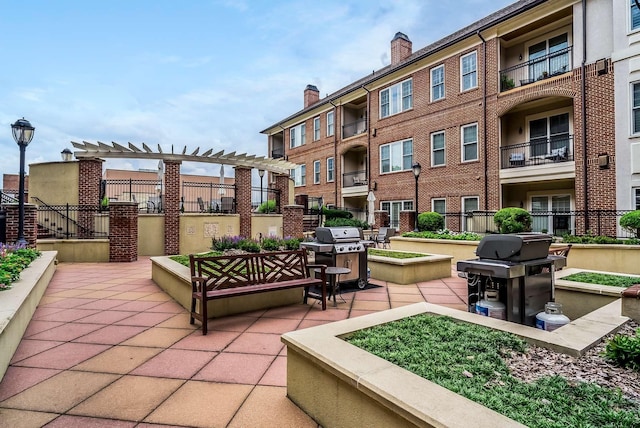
pixel 316 172
pixel 635 16
pixel 549 134
pixel 636 192
pixel 297 135
pixel 396 156
pixel 469 204
pixel 316 128
pixel 330 170
pixel 469 142
pixel 397 98
pixel 469 71
pixel 330 124
pixel 299 175
pixel 437 149
pixel 439 205
pixel 437 83
pixel 635 109
pixel 394 208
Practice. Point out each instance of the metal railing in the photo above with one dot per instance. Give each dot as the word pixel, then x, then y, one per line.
pixel 71 221
pixel 207 197
pixel 354 178
pixel 537 152
pixel 7 196
pixel 537 69
pixel 267 197
pixel 147 193
pixel 354 128
pixel 277 153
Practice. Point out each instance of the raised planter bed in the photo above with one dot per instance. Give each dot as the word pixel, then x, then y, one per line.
pixel 338 384
pixel 410 270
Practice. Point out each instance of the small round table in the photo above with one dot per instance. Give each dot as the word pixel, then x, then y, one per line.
pixel 334 273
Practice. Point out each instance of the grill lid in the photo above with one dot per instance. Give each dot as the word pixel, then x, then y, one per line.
pixel 334 235
pixel 514 247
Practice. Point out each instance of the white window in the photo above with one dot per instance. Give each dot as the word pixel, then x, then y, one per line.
pixel 635 16
pixel 549 57
pixel 397 98
pixel 437 149
pixel 299 175
pixel 397 156
pixel 636 198
pixel 297 135
pixel 469 203
pixel 551 214
pixel 437 83
pixel 316 172
pixel 330 169
pixel 330 124
pixel 316 129
pixel 470 142
pixel 635 109
pixel 469 71
pixel 439 205
pixel 394 208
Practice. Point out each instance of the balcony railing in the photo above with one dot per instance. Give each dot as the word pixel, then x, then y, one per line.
pixel 536 69
pixel 354 178
pixel 354 128
pixel 277 153
pixel 537 152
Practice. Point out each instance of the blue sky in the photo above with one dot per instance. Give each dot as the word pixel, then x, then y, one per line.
pixel 200 73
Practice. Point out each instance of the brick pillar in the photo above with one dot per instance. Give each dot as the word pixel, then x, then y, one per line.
pixel 88 193
pixel 243 199
pixel 292 221
pixel 171 207
pixel 123 231
pixel 30 223
pixel 407 221
pixel 381 219
pixel 282 185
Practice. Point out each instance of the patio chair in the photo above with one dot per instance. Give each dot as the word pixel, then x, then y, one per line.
pixel 382 238
pixel 201 204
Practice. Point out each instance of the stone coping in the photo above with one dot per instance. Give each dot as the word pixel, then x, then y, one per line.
pixel 18 304
pixel 606 290
pixel 427 258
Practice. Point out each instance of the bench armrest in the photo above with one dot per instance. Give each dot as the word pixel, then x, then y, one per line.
pixel 198 283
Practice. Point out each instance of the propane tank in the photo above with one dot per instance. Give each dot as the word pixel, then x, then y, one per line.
pixel 490 306
pixel 552 317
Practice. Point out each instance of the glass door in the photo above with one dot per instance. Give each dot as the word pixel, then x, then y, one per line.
pixel 540 214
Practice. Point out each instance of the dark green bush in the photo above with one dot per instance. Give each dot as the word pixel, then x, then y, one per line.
pixel 631 222
pixel 341 222
pixel 291 243
pixel 430 221
pixel 590 239
pixel 333 213
pixel 462 236
pixel 271 244
pixel 267 206
pixel 624 351
pixel 12 262
pixel 249 245
pixel 513 220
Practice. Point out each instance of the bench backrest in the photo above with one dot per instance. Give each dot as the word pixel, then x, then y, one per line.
pixel 249 269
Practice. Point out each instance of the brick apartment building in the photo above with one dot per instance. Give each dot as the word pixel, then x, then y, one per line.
pixel 497 114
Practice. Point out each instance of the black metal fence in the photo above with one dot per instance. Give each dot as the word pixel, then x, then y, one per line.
pixel 147 193
pixel 539 152
pixel 72 222
pixel 268 198
pixel 199 197
pixel 9 196
pixel 537 69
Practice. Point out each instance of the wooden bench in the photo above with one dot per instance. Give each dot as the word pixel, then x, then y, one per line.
pixel 560 251
pixel 219 277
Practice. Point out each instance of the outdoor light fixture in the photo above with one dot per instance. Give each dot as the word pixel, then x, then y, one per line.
pixel 261 174
pixel 66 154
pixel 416 172
pixel 23 134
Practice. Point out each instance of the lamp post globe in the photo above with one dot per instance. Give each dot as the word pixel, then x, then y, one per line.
pixel 416 173
pixel 22 134
pixel 66 154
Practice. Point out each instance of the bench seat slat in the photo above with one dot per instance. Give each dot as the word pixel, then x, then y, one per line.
pixel 259 288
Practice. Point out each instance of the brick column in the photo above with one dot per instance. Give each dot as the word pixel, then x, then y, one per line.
pixel 30 224
pixel 292 221
pixel 407 221
pixel 171 207
pixel 381 219
pixel 88 193
pixel 243 199
pixel 282 185
pixel 123 231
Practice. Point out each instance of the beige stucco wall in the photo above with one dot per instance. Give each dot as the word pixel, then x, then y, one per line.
pixel 267 225
pixel 55 183
pixel 151 235
pixel 77 250
pixel 197 230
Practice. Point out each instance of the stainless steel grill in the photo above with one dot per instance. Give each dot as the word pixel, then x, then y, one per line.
pixel 519 268
pixel 342 247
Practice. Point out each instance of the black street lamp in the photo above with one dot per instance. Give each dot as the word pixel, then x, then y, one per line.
pixel 23 134
pixel 261 174
pixel 416 172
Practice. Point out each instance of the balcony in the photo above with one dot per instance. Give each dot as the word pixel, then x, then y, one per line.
pixel 355 178
pixel 537 152
pixel 277 153
pixel 354 128
pixel 538 69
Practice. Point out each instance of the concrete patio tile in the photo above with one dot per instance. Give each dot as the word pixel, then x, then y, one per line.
pixel 400 304
pixel 363 295
pixel 66 332
pixel 28 348
pixel 111 334
pixel 403 289
pixel 202 404
pixel 43 311
pixel 103 305
pixel 439 291
pixel 69 421
pixel 175 363
pixel 73 292
pixel 178 321
pixel 282 412
pixel 360 312
pixel 23 418
pixel 370 306
pixel 441 300
pixel 235 368
pixel 213 341
pixel 100 294
pixel 68 315
pixel 38 326
pixel 106 317
pixel 64 356
pixel 118 360
pixel 134 306
pixel 157 297
pixel 256 343
pixel 157 337
pixel 129 398
pixel 145 319
pixel 232 323
pixel 60 392
pixel 274 325
pixel 170 307
pixel 460 307
pixel 95 286
pixel 276 374
pixel 414 298
pixel 331 314
pixel 290 312
pixel 306 323
pixel 46 300
pixel 17 379
pixel 128 295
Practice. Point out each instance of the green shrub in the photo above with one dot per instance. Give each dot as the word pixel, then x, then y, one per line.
pixel 267 206
pixel 430 221
pixel 12 262
pixel 462 236
pixel 249 245
pixel 624 351
pixel 590 239
pixel 271 244
pixel 513 220
pixel 291 243
pixel 341 222
pixel 631 222
pixel 225 243
pixel 333 213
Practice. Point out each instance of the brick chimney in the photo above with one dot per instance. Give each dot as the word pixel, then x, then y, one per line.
pixel 311 95
pixel 401 48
